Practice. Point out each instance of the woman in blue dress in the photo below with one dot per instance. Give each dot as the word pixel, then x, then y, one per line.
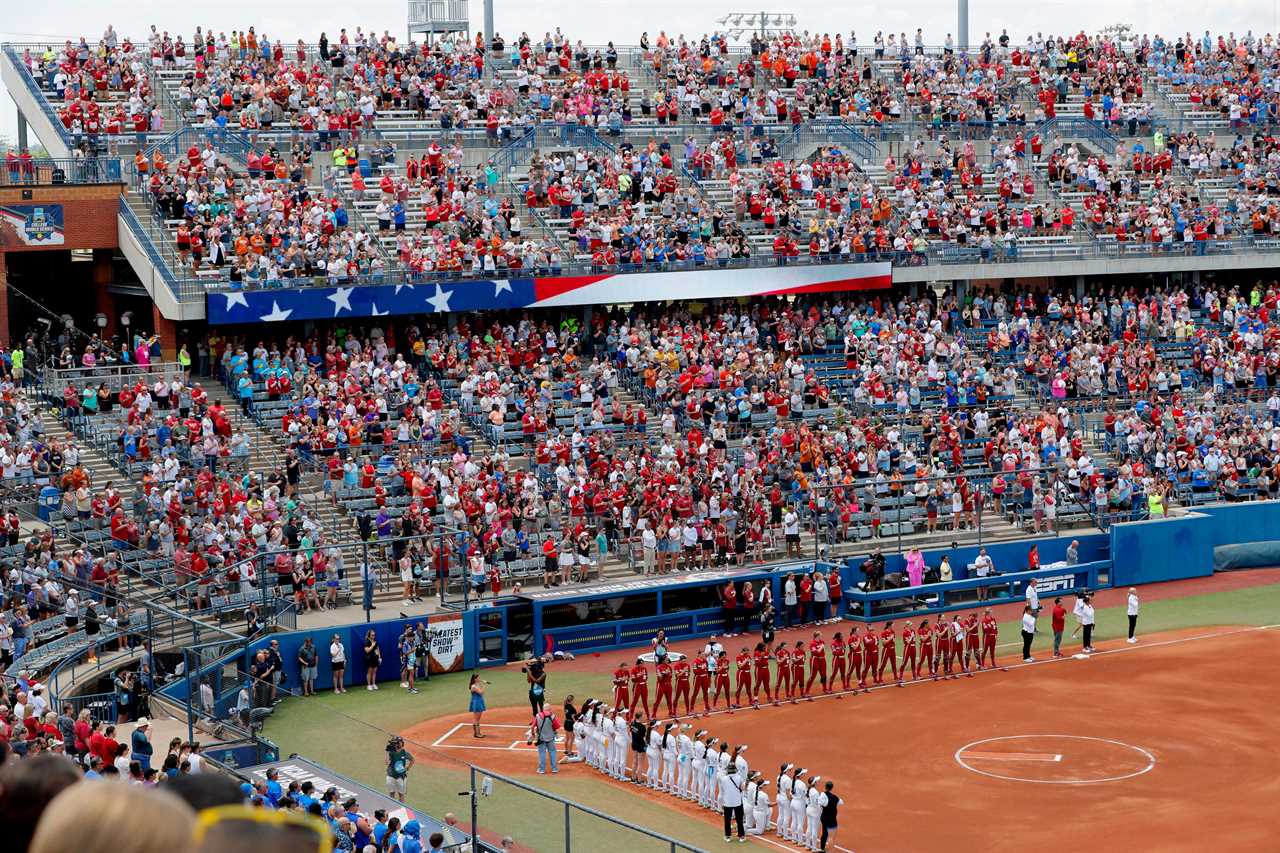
pixel 477 702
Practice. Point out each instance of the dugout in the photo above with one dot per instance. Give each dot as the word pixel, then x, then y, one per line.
pixel 630 613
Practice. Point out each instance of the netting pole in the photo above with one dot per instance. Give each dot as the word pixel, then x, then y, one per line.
pixel 568 833
pixel 475 808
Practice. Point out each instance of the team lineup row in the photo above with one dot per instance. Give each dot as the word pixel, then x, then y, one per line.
pixel 705 770
pixel 942 649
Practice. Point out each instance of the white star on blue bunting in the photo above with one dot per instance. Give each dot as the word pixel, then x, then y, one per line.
pixel 276 314
pixel 440 302
pixel 234 298
pixel 341 298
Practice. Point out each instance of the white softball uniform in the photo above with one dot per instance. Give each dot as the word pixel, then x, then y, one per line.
pixel 784 801
pixel 799 798
pixel 685 769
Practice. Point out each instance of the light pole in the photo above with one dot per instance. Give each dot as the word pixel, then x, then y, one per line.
pixel 962 26
pixel 764 24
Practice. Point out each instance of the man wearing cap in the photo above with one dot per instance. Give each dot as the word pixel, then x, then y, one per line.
pixel 140 743
pixel 1131 608
pixel 730 787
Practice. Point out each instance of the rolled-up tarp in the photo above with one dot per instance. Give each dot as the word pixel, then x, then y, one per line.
pixel 1246 555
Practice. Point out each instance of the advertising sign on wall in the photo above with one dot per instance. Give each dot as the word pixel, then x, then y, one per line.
pixel 447 640
pixel 31 225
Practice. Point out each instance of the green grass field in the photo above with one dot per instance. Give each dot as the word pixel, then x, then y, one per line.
pixel 348 732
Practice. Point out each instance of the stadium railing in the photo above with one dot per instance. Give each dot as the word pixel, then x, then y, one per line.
pixel 61 170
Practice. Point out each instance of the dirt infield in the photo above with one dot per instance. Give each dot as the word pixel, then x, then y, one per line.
pixel 1165 745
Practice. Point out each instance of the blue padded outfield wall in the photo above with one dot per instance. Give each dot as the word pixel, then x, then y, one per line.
pixel 1161 550
pixel 1185 547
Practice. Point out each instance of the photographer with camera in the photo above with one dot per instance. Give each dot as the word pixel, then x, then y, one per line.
pixel 399 763
pixel 536 674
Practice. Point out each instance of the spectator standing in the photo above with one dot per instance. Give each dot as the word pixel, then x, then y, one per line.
pixel 372 660
pixel 1073 553
pixel 477 706
pixel 260 675
pixel 789 599
pixel 982 568
pixel 915 567
pixel 1131 608
pixel 276 669
pixel 1028 632
pixel 821 598
pixel 338 660
pixel 307 666
pixel 542 731
pixel 140 743
pixel 1059 616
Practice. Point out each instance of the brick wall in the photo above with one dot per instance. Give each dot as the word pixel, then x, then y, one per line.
pixel 89 213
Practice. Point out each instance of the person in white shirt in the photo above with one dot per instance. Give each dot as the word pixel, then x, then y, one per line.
pixel 731 784
pixel 1086 622
pixel 1033 597
pixel 789 599
pixel 791 529
pixel 649 546
pixel 1028 633
pixel 982 567
pixel 338 657
pixel 1131 608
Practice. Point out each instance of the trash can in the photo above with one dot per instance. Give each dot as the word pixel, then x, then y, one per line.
pixel 48 502
pixel 366 170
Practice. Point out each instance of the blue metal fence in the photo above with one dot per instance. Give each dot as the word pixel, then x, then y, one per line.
pixel 60 170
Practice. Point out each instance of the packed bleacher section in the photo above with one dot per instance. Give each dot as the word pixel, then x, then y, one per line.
pixel 265 225
pixel 1139 170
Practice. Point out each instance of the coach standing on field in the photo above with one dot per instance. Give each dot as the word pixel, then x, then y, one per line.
pixel 1028 633
pixel 830 804
pixel 731 802
pixel 1132 610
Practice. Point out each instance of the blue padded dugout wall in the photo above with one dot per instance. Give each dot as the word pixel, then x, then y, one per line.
pixel 1006 556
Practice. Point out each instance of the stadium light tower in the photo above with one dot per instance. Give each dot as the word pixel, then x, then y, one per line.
pixel 764 24
pixel 445 17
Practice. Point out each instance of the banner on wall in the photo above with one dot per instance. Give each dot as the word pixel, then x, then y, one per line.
pixel 31 225
pixel 439 297
pixel 448 640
